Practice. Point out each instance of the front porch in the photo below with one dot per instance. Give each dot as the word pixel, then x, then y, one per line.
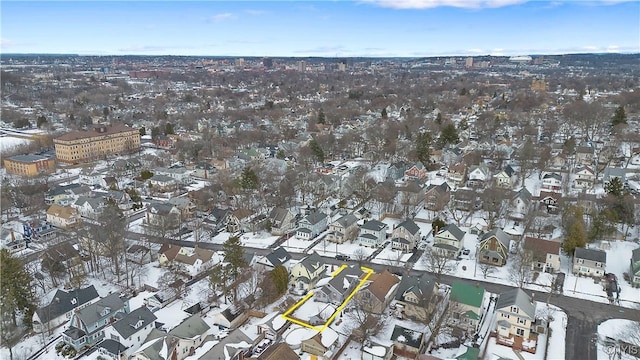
pixel 518 342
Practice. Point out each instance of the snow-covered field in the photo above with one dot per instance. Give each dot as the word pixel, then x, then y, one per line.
pixel 8 143
pixel 610 331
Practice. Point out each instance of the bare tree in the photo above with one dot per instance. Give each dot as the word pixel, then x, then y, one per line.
pixel 486 269
pixel 520 267
pixel 362 323
pixel 437 262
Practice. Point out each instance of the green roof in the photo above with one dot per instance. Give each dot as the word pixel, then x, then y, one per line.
pixel 471 354
pixel 471 315
pixel 467 294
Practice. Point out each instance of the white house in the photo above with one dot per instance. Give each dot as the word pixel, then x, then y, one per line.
pixel 62 216
pixel 312 225
pixel 552 181
pixel 584 178
pixel 131 330
pixel 372 233
pixel 62 306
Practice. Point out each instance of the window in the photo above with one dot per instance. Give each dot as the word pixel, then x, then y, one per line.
pixel 580 261
pixel 520 332
pixel 522 321
pixel 514 309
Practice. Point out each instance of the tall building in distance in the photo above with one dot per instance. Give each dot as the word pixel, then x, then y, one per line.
pixel 240 63
pixel 468 63
pixel 98 143
pixel 301 65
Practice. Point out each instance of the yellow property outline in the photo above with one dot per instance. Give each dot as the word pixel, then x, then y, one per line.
pixel 321 328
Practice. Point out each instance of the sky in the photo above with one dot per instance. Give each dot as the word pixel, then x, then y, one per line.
pixel 378 28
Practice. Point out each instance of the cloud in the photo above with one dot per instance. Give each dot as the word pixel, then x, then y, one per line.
pixel 476 4
pixel 222 17
pixel 256 12
pixel 429 4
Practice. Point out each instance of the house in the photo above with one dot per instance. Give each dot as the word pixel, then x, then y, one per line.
pixel 505 178
pixel 282 220
pixel 416 172
pixel 456 175
pixel 436 197
pixel 12 240
pixel 61 307
pixel 552 182
pixel 306 273
pixel 62 216
pixel 372 233
pixel 411 195
pixel 634 269
pixel 515 314
pixel 417 297
pixel 89 207
pixel 132 329
pixel 558 161
pixel 585 177
pixel 236 345
pixel 611 173
pixel 86 327
pixel 163 216
pixel 180 174
pixel 378 292
pixel 272 326
pixel 321 344
pixel 546 254
pixel 168 252
pixel 465 305
pixel 396 171
pixel 111 349
pixel 278 257
pixel 478 176
pixel 376 351
pixel 231 317
pixel 407 343
pixel 343 229
pixel 520 204
pixel 239 220
pixel 162 141
pixel 203 170
pixel 217 219
pixel 340 286
pixel 584 155
pixel 195 261
pixel 312 225
pixel 280 351
pixel 589 262
pixel 66 254
pixel 448 241
pixel 405 236
pixel 184 204
pixel 465 199
pixel 162 183
pixel 551 201
pixel 494 247
pixel 179 343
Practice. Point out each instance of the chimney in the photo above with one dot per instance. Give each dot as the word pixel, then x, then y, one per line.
pixel 13 236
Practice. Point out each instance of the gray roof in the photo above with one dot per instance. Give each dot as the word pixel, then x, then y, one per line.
pixel 351 273
pixel 190 328
pixel 374 225
pixel 161 208
pixel 635 255
pixel 64 302
pixel 591 254
pixel 610 172
pixel 552 175
pixel 454 230
pixel 91 313
pixel 112 346
pixel 411 226
pixel 278 256
pixel 315 217
pixel 347 220
pixel 278 214
pixel 313 262
pixel 95 203
pixel 127 325
pixel 523 194
pixel 422 286
pixel 502 237
pixel 59 190
pixel 518 298
pixel 228 345
pixel 162 178
pixel 28 158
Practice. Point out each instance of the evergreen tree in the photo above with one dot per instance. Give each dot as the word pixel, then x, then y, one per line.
pixel 249 179
pixel 423 151
pixel 143 131
pixel 317 150
pixel 169 129
pixel 576 237
pixel 437 225
pixel 41 121
pixel 234 256
pixel 448 135
pixel 439 119
pixel 384 113
pixel 280 277
pixel 321 118
pixel 17 293
pixel 619 116
pixel 463 92
pixel 614 187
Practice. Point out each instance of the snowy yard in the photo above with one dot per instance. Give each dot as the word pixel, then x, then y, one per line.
pixel 610 331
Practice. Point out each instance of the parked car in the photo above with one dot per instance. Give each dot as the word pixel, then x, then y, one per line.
pixel 343 257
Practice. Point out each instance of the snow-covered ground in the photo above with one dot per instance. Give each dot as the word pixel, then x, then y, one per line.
pixel 8 143
pixel 614 330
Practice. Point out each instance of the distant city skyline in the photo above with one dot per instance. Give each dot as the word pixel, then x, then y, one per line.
pixel 368 28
